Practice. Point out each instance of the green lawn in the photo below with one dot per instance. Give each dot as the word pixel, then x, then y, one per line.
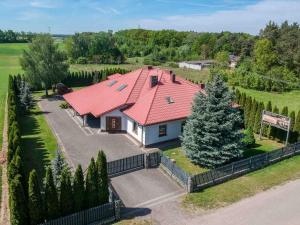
pixel 175 152
pixel 245 186
pixel 290 99
pixel 9 64
pixel 38 142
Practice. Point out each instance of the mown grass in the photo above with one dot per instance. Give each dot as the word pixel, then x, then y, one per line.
pixel 9 64
pixel 245 186
pixel 38 142
pixel 290 99
pixel 0 183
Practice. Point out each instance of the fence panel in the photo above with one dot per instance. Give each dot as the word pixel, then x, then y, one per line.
pixel 125 165
pixel 174 170
pixel 153 159
pixel 104 212
pixel 238 168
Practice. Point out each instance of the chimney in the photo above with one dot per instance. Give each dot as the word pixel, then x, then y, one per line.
pixel 172 76
pixel 202 86
pixel 153 80
pixel 149 67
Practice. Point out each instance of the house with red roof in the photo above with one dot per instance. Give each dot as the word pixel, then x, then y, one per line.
pixel 149 104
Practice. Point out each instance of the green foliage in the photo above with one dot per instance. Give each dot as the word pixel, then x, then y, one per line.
pixel 78 189
pixel 9 36
pixel 264 55
pixel 101 165
pixel 51 197
pixel 35 203
pixel 58 164
pixel 91 185
pixel 212 135
pixel 17 202
pixel 43 63
pixel 258 115
pixel 26 99
pixel 66 194
pixel 64 105
pixel 297 126
pixel 248 139
pixel 222 59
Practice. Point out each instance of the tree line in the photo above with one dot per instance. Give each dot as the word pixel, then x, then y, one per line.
pixel 252 112
pixel 61 192
pixel 274 62
pixel 10 36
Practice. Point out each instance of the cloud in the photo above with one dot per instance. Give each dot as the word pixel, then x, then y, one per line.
pixel 248 19
pixel 31 15
pixel 43 4
pixel 107 10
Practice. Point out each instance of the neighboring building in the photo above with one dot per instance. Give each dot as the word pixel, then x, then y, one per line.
pixel 196 65
pixel 150 104
pixel 233 60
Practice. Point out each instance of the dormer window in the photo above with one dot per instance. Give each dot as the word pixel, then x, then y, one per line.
pixel 110 84
pixel 169 100
pixel 122 87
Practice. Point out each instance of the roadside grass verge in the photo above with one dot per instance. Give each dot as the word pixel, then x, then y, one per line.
pixel 290 99
pixel 245 186
pixel 174 151
pixel 38 142
pixel 0 183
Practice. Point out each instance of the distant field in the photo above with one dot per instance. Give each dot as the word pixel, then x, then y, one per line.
pixel 9 64
pixel 290 99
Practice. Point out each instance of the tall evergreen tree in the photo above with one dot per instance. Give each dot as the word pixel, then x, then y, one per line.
pixel 274 130
pixel 258 117
pixel 58 165
pixel 78 189
pixel 297 126
pixel 35 203
pixel 282 133
pixel 267 130
pixel 17 203
pixel 247 110
pixel 66 195
pixel 101 164
pixel 251 121
pixel 212 134
pixel 51 197
pixel 91 185
pixel 292 138
pixel 243 100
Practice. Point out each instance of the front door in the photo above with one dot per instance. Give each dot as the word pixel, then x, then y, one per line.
pixel 113 124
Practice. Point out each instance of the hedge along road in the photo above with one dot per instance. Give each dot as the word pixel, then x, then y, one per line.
pixel 138 189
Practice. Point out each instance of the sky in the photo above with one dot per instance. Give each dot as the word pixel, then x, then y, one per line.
pixel 70 16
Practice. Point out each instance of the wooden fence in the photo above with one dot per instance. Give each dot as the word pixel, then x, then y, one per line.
pixel 103 214
pixel 238 168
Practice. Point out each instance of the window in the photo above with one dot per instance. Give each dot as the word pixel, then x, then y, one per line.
pixel 162 130
pixel 122 87
pixel 112 83
pixel 135 127
pixel 169 100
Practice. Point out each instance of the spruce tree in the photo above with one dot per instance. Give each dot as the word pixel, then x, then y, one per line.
pixel 35 203
pixel 78 189
pixel 91 185
pixel 51 197
pixel 101 164
pixel 297 127
pixel 212 134
pixel 66 195
pixel 17 203
pixel 251 121
pixel 58 165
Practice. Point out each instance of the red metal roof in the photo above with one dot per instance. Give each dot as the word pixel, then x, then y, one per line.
pixel 143 103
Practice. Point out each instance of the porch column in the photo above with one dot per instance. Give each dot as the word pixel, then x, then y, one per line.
pixel 84 119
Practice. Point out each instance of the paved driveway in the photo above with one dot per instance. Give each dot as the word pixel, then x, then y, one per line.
pixel 83 143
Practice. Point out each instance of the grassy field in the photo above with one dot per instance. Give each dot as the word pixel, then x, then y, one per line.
pixel 245 186
pixel 38 142
pixel 175 152
pixel 9 64
pixel 290 99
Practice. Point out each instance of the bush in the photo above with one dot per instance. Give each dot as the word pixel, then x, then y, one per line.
pixel 249 139
pixel 173 65
pixel 64 105
pixel 81 60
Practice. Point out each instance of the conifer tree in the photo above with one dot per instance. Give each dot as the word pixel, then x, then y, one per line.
pixel 243 100
pixel 91 185
pixel 66 195
pixel 267 130
pixel 17 203
pixel 258 115
pixel 292 138
pixel 251 121
pixel 297 127
pixel 51 197
pixel 78 189
pixel 247 110
pixel 274 130
pixel 35 203
pixel 58 165
pixel 212 134
pixel 101 164
pixel 282 133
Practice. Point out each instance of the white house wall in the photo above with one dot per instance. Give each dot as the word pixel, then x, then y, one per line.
pixel 190 66
pixel 117 113
pixel 152 132
pixel 139 134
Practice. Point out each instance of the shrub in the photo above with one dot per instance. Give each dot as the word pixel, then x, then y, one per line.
pixel 82 60
pixel 64 105
pixel 249 139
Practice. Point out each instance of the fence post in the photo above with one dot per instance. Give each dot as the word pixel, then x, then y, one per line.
pixel 190 185
pixel 232 168
pixel 146 160
pixel 117 210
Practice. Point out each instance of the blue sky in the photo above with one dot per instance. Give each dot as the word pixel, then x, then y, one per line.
pixel 69 16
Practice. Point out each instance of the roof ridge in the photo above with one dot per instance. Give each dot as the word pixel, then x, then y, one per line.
pixel 142 69
pixel 153 97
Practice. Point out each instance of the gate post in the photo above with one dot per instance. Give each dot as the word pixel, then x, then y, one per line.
pixel 146 161
pixel 117 209
pixel 190 185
